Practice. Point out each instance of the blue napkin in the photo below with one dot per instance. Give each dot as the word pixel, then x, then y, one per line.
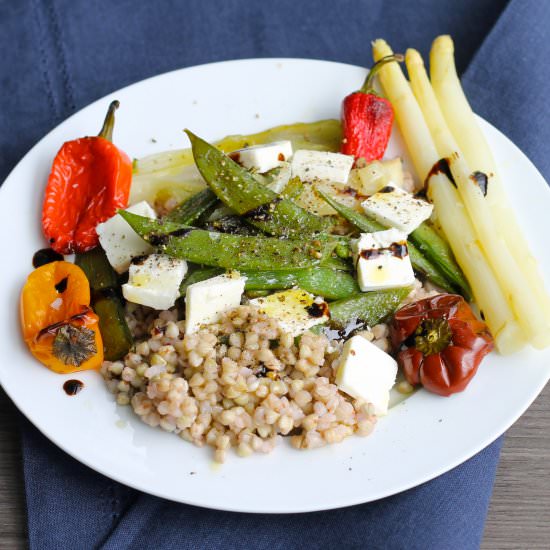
pixel 59 55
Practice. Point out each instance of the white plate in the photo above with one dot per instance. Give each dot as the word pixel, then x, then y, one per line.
pixel 421 438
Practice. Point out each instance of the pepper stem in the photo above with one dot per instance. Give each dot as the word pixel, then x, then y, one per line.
pixel 368 87
pixel 432 335
pixel 109 122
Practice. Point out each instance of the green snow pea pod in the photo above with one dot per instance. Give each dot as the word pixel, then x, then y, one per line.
pixel 107 303
pixel 259 206
pixel 369 308
pixel 229 251
pixel 430 269
pixel 193 208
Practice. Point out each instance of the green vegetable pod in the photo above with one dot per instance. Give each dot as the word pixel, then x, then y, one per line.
pixel 237 252
pixel 107 303
pixel 193 208
pixel 431 269
pixel 258 205
pixel 368 308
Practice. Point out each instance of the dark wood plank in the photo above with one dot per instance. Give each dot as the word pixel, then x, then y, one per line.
pixel 519 514
pixel 12 501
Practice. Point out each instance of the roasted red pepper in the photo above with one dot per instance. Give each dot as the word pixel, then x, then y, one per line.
pixel 440 343
pixel 89 180
pixel 367 119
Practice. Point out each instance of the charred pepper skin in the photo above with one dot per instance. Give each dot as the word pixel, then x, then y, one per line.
pixel 367 119
pixel 89 180
pixel 440 343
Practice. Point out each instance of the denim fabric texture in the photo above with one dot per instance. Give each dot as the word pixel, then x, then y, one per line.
pixel 60 55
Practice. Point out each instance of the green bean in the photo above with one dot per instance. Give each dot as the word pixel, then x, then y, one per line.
pixel 189 211
pixel 328 283
pixel 335 262
pixel 239 189
pixel 97 268
pixel 322 281
pixel 419 261
pixel 226 250
pixel 369 308
pixel 107 303
pixel 439 252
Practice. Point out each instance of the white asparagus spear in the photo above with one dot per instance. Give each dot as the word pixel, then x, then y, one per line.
pixel 488 295
pixel 477 153
pixel 524 301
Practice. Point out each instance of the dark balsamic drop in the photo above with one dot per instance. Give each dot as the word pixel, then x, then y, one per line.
pixel 72 387
pixel 46 256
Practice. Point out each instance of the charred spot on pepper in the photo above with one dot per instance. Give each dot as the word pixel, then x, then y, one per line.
pixel 61 286
pixel 481 180
pixel 74 345
pixel 52 329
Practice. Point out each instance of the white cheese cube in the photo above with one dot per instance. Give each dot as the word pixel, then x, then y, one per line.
pixel 120 242
pixel 262 158
pixel 296 310
pixel 394 207
pixel 311 166
pixel 155 281
pixel 382 260
pixel 207 300
pixel 366 372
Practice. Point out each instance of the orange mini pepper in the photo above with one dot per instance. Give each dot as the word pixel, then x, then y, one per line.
pixel 59 327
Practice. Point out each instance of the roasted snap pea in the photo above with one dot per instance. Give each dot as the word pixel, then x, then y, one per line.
pixel 193 208
pixel 98 270
pixel 259 206
pixel 369 308
pixel 107 303
pixel 322 281
pixel 230 251
pixel 436 249
pixel 420 262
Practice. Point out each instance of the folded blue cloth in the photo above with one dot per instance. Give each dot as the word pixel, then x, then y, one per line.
pixel 59 55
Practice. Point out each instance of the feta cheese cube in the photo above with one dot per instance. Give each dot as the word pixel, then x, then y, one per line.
pixel 262 158
pixel 120 242
pixel 366 372
pixel 311 166
pixel 207 300
pixel 296 310
pixel 155 281
pixel 382 260
pixel 394 207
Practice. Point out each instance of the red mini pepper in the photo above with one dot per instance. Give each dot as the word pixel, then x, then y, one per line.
pixel 89 180
pixel 440 343
pixel 367 118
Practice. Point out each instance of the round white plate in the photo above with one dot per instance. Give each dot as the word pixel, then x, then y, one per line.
pixel 421 438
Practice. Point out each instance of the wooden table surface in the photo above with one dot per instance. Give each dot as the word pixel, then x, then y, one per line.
pixel 519 516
